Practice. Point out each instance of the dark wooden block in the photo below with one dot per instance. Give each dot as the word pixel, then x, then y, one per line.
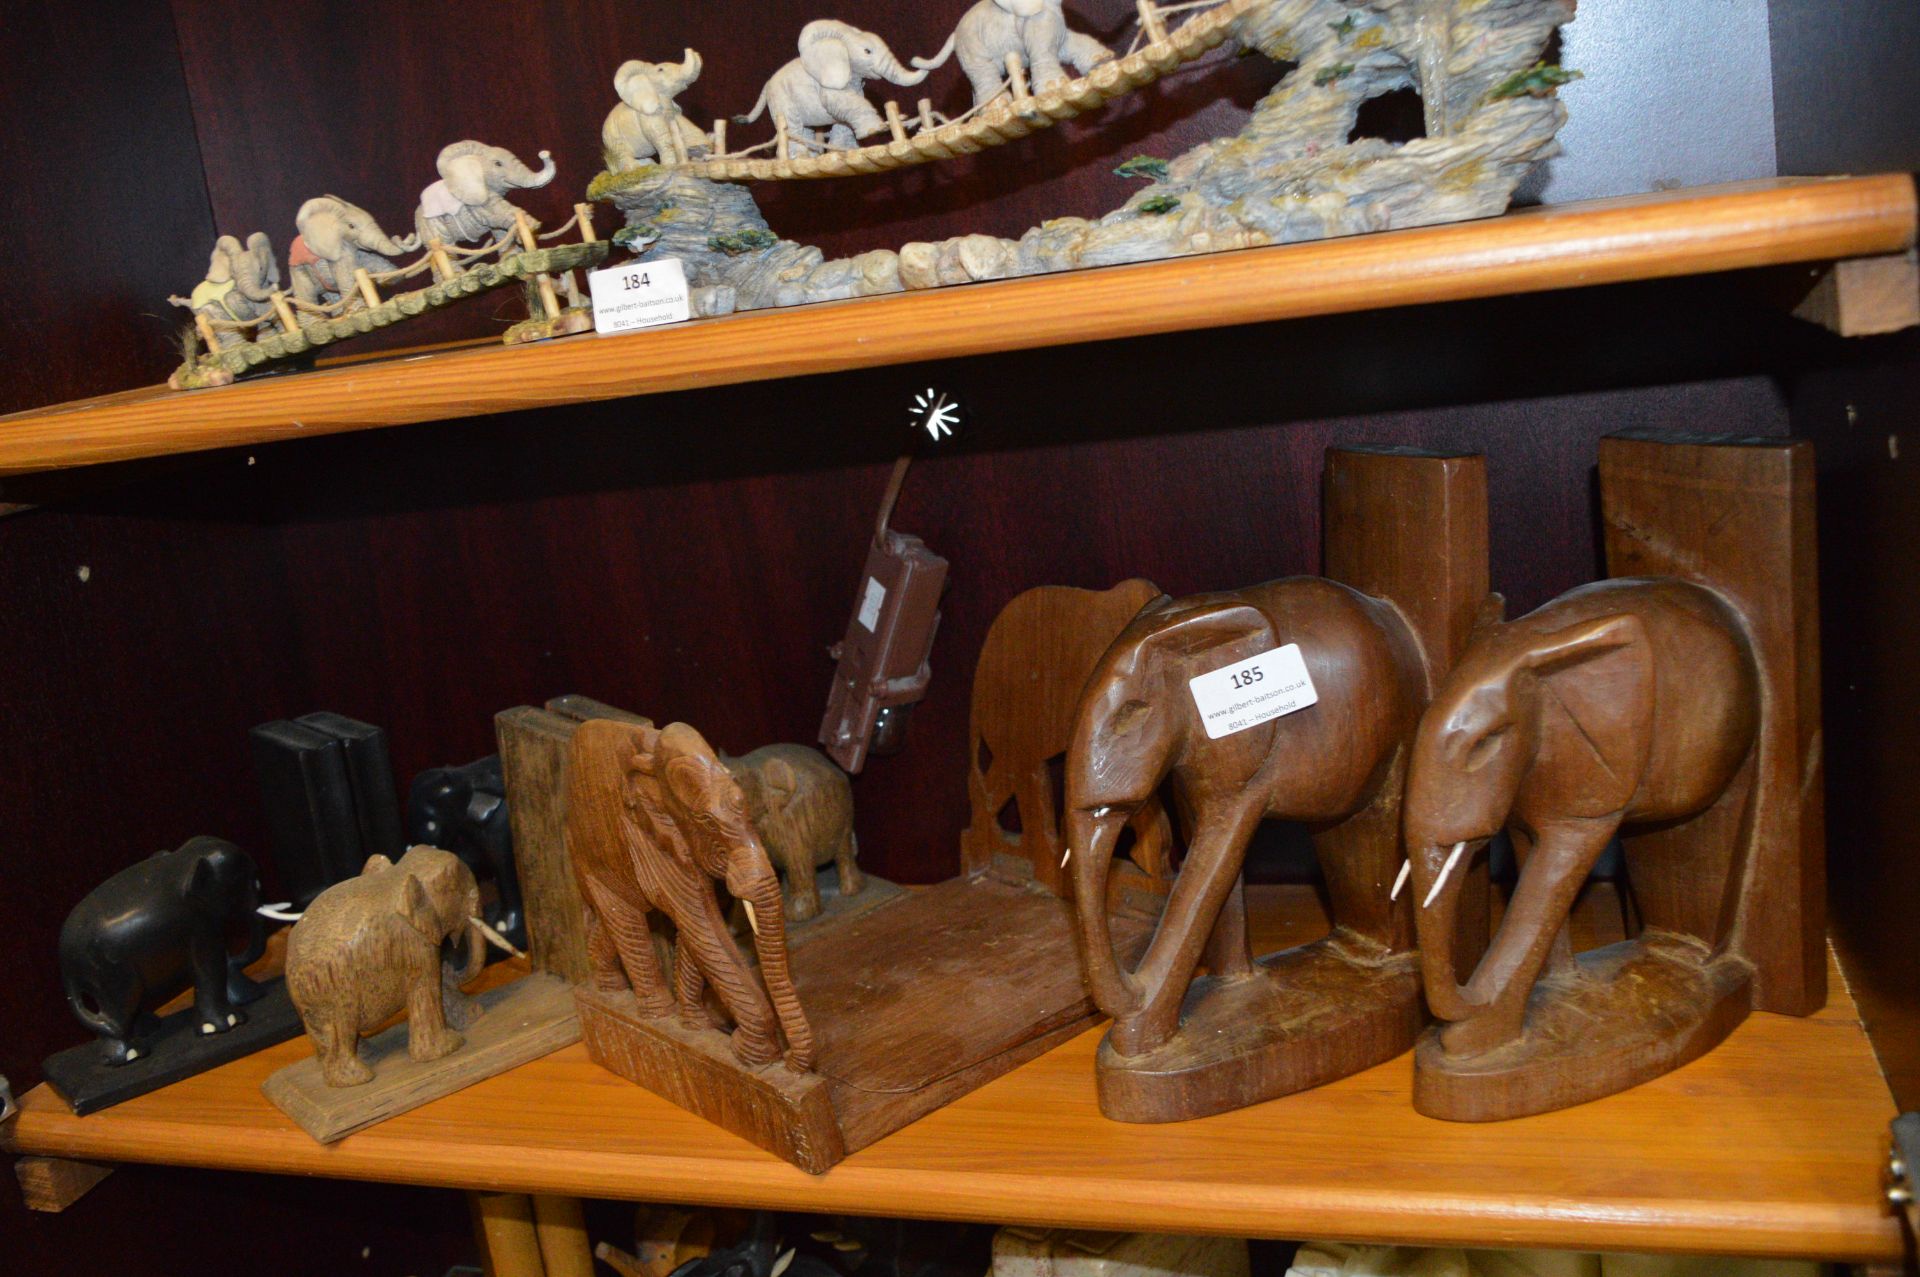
pixel 376 805
pixel 308 792
pixel 178 1050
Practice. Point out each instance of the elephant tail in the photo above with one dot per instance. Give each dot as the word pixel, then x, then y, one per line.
pixel 86 1007
pixel 758 107
pixel 939 59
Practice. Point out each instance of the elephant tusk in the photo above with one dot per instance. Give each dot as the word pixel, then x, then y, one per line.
pixel 1065 858
pixel 282 912
pixel 752 919
pixel 1406 868
pixel 1445 869
pixel 495 938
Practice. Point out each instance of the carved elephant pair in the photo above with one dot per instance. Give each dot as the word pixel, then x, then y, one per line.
pixel 1628 702
pixel 654 820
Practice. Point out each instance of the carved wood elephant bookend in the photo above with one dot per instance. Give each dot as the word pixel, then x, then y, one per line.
pixel 654 822
pixel 1035 661
pixel 1294 700
pixel 1675 709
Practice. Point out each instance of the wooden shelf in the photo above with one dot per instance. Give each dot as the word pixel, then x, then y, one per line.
pixel 1770 1145
pixel 1679 233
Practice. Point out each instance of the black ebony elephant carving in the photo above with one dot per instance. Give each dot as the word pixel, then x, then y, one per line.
pixel 157 928
pixel 464 810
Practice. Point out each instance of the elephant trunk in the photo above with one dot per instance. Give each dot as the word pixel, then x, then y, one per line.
pixel 523 176
pixel 1438 871
pixel 686 71
pixel 476 943
pixel 770 942
pixel 1092 837
pixel 387 246
pixel 892 72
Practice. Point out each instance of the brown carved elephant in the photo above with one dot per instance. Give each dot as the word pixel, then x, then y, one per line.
pixel 370 947
pixel 1138 722
pixel 1629 702
pixel 803 807
pixel 654 820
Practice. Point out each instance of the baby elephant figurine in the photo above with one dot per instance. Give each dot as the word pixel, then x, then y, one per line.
pixel 369 947
pixel 155 929
pixel 802 807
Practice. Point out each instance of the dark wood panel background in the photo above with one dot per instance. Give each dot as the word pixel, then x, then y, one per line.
pixel 687 555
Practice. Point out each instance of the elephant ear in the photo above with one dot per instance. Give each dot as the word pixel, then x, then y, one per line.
pixel 691 784
pixel 322 225
pixel 375 863
pixel 634 82
pixel 1491 612
pixel 220 261
pixel 1202 629
pixel 203 885
pixel 780 778
pixel 1600 673
pixel 824 54
pixel 417 907
pixel 466 177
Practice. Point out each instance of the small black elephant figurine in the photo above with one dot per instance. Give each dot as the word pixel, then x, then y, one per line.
pixel 759 1254
pixel 464 810
pixel 155 929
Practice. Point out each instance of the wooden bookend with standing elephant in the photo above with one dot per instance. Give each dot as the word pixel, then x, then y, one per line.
pixel 1292 700
pixel 884 1035
pixel 369 949
pixel 1676 706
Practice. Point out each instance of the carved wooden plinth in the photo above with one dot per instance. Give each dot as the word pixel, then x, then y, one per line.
pixel 912 1006
pixel 517 1023
pixel 1304 1017
pixel 1627 1014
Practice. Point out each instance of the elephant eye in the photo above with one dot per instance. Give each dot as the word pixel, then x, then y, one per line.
pixel 1482 751
pixel 1130 717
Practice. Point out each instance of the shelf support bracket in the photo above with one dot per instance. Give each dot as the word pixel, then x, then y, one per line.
pixel 1865 296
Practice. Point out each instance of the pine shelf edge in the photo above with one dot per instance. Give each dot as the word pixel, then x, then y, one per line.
pixel 1691 232
pixel 1771 1146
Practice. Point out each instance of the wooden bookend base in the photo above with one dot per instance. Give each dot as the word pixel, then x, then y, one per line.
pixel 518 1022
pixel 789 1114
pixel 912 1006
pixel 52 1184
pixel 88 1084
pixel 1626 1014
pixel 1306 1017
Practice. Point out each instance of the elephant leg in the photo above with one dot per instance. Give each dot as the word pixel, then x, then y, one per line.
pixel 215 1013
pixel 336 1045
pixel 1560 961
pixel 1228 955
pixel 690 987
pixel 428 1035
pixel 1084 52
pixel 1563 854
pixel 986 76
pixel 803 889
pixel 1207 881
pixel 627 954
pixel 852 881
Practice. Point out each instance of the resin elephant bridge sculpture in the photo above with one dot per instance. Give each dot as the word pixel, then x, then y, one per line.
pixel 654 820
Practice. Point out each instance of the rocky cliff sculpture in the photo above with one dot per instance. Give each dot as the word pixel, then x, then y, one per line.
pixel 1295 171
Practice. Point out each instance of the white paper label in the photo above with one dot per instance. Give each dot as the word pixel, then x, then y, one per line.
pixel 1257 690
pixel 639 295
pixel 870 603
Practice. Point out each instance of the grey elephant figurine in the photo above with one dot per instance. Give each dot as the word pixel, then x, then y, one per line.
pixel 469 202
pixel 336 239
pixel 1035 30
pixel 802 806
pixel 155 929
pixel 648 123
pixel 654 819
pixel 369 947
pixel 239 286
pixel 824 88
